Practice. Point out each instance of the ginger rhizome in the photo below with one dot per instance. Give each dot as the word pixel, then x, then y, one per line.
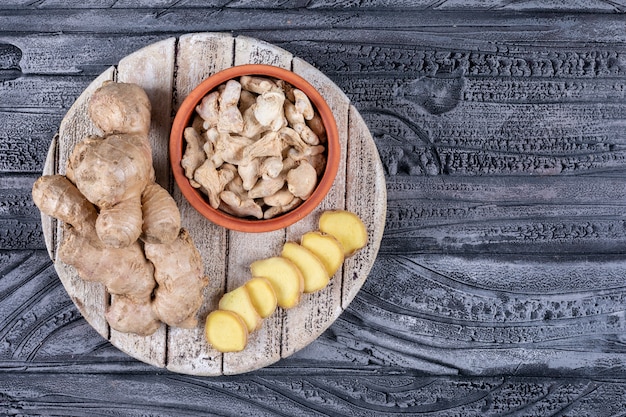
pixel 112 171
pixel 120 227
pixel 255 147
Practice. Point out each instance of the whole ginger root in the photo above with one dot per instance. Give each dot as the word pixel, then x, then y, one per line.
pixel 177 276
pixel 113 171
pixel 114 213
pixel 125 272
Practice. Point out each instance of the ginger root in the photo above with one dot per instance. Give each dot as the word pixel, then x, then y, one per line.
pixel 161 218
pixel 56 196
pixel 113 171
pixel 120 108
pixel 270 131
pixel 179 271
pixel 120 228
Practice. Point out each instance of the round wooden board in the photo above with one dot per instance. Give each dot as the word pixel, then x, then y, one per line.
pixel 168 70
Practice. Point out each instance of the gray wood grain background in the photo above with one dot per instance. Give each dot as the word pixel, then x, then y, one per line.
pixel 500 284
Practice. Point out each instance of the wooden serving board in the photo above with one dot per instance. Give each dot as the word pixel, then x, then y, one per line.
pixel 168 71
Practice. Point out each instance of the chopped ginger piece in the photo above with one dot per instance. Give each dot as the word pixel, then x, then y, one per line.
pixel 327 248
pixel 262 296
pixel 285 277
pixel 238 301
pixel 347 227
pixel 313 270
pixel 226 331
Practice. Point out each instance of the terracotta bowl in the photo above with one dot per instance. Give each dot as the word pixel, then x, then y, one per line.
pixel 199 201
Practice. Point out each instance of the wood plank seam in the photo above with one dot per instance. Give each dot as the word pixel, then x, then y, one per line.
pixel 170 178
pixel 49 223
pixel 173 107
pixel 344 270
pixel 227 234
pixel 108 297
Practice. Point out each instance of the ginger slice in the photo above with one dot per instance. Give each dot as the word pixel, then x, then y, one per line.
pixel 346 227
pixel 313 270
pixel 262 295
pixel 226 331
pixel 239 301
pixel 326 247
pixel 285 277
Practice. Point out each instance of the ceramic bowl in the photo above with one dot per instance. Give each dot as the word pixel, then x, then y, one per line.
pixel 199 200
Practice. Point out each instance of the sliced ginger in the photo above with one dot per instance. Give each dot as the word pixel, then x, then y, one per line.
pixel 347 227
pixel 262 295
pixel 239 301
pixel 285 277
pixel 226 331
pixel 281 280
pixel 313 270
pixel 326 247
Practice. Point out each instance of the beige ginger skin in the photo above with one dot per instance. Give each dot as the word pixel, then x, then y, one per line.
pixel 266 128
pixel 112 171
pixel 121 228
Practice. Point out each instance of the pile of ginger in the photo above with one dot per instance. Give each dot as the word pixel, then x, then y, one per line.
pixel 256 147
pixel 120 227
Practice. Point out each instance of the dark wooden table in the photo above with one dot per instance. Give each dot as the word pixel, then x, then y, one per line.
pixel 500 286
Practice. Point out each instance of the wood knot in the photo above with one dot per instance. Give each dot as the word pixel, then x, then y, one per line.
pixel 10 57
pixel 436 95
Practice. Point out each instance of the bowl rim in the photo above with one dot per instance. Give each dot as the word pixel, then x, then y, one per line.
pixel 182 120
